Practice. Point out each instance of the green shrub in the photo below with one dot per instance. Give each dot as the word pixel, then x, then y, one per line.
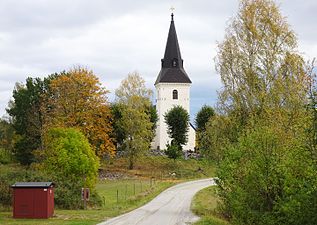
pixel 68 156
pixel 5 156
pixel 67 193
pixel 266 180
pixel 8 178
pixel 173 151
pixel 72 164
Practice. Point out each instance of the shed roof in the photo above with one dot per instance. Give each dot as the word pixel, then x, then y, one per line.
pixel 32 184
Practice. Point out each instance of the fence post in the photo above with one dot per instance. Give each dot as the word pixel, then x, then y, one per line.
pixel 117 196
pixel 126 190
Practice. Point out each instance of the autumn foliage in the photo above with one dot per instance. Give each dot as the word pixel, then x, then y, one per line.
pixel 77 99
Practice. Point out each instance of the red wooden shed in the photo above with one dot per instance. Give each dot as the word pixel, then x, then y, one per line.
pixel 33 199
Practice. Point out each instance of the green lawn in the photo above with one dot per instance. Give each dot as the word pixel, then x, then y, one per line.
pixel 124 195
pixel 69 217
pixel 204 205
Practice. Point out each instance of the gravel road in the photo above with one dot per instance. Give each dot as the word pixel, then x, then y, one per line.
pixel 171 207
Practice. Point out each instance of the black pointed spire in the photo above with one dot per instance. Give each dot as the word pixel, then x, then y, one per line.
pixel 172 56
pixel 172 64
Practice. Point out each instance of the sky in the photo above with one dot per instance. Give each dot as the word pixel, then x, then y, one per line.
pixel 114 38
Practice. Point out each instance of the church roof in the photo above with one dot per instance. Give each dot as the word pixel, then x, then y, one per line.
pixel 172 70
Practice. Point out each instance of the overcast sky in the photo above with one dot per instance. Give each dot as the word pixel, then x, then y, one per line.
pixel 113 38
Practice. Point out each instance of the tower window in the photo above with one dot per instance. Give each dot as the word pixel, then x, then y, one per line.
pixel 175 94
pixel 174 62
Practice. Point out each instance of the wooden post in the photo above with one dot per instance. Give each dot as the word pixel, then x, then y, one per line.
pixel 126 190
pixel 85 196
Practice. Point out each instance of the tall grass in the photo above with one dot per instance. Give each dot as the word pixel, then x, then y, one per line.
pixel 204 205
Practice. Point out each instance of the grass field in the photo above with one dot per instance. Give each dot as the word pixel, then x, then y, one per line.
pixel 162 168
pixel 150 177
pixel 204 205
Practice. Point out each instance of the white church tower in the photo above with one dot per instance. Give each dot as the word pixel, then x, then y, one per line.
pixel 172 88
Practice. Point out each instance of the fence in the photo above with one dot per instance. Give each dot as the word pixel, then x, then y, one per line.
pixel 120 191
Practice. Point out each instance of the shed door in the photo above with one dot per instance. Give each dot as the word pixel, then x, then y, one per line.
pixel 40 202
pixel 23 203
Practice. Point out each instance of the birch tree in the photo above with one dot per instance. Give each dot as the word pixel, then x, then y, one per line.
pixel 135 121
pixel 264 103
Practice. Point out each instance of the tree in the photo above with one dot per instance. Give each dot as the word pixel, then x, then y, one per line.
pixel 26 114
pixel 258 59
pixel 77 99
pixel 202 117
pixel 177 120
pixel 68 159
pixel 312 142
pixel 173 151
pixel 151 111
pixel 133 85
pixel 118 131
pixel 7 140
pixel 135 114
pixel 68 156
pixel 137 127
pixel 263 121
pixel 219 133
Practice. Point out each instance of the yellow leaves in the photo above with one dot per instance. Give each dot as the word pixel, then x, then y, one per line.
pixel 133 85
pixel 263 75
pixel 78 100
pixel 261 21
pixel 258 46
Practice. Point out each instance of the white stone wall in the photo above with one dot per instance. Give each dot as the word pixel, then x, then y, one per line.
pixel 164 102
pixel 191 139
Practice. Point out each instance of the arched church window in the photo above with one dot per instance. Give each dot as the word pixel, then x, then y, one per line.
pixel 175 94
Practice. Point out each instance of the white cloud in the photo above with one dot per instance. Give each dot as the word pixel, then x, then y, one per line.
pixel 40 37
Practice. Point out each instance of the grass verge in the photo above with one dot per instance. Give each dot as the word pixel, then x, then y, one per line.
pixel 204 205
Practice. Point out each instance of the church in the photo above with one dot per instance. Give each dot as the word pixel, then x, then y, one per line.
pixel 172 88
